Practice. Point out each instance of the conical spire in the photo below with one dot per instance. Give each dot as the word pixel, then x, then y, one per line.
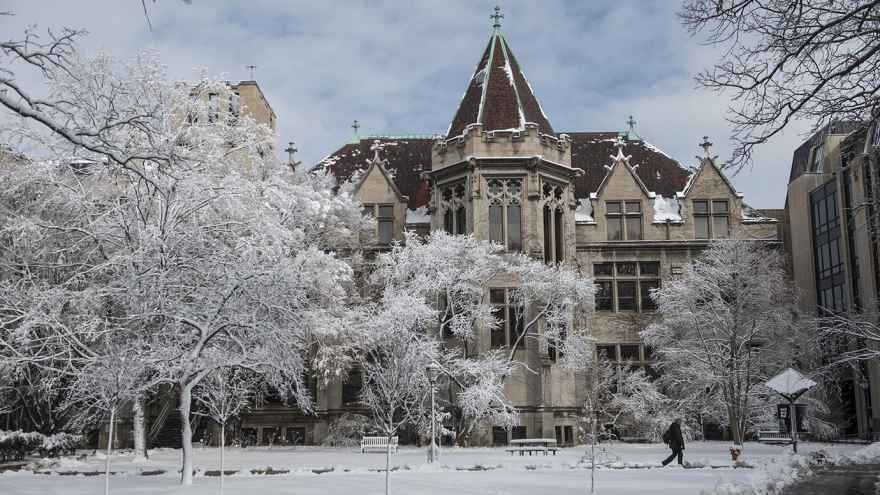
pixel 498 96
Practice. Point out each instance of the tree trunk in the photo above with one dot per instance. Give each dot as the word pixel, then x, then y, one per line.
pixel 736 434
pixel 387 463
pixel 186 473
pixel 222 446
pixel 109 452
pixel 140 436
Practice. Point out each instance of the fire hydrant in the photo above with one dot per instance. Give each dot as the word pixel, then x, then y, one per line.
pixel 734 453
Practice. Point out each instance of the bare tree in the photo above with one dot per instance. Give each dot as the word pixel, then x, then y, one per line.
pixel 788 60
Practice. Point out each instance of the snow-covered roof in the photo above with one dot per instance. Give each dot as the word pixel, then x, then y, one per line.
pixel 751 215
pixel 498 95
pixel 790 383
pixel 666 210
pixel 418 216
pixel 584 212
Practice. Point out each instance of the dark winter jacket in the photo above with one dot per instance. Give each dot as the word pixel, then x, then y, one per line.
pixel 675 439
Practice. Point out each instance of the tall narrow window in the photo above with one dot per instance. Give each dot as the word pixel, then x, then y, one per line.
pixel 553 222
pixel 386 224
pixel 830 273
pixel 213 107
pixel 557 230
pixel 711 219
pixel 505 213
pixel 496 224
pixel 623 220
pixel 351 389
pixel 461 220
pixel 453 208
pixel 548 236
pixel 511 323
pixel 818 158
pixel 234 106
pixel 384 215
pixel 633 220
pixel 514 229
pixel 448 222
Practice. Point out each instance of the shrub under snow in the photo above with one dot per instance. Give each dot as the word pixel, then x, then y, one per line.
pixel 346 431
pixel 16 445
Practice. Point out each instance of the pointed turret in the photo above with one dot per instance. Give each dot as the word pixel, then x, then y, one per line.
pixel 498 95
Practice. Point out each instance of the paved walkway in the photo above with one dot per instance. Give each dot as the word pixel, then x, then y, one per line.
pixel 862 479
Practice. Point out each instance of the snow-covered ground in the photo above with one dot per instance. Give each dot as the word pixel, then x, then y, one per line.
pixel 631 469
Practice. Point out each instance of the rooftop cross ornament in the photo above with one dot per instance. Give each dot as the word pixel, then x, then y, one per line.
pixel 707 147
pixel 497 16
pixel 290 152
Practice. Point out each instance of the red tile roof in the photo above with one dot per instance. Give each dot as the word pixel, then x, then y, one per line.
pixel 498 95
pixel 407 159
pixel 591 151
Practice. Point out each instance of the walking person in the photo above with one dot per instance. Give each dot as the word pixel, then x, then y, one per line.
pixel 675 441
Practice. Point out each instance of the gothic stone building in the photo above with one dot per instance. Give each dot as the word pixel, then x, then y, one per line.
pixel 609 203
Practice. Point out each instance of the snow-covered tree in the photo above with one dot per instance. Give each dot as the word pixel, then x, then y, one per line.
pixel 619 394
pixel 453 274
pixel 725 326
pixel 104 386
pixel 394 363
pixel 177 222
pixel 223 395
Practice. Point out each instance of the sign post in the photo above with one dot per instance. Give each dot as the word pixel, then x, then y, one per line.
pixel 791 384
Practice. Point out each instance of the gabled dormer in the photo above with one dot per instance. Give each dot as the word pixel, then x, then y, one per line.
pixel 381 198
pixel 714 208
pixel 622 205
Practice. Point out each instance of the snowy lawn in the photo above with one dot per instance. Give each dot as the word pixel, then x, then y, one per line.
pixel 631 469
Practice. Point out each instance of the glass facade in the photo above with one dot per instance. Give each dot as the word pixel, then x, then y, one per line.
pixel 828 256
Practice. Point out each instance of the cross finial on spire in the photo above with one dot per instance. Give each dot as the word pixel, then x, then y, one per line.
pixel 707 147
pixel 497 16
pixel 290 152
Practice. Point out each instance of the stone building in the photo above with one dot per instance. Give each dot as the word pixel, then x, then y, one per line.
pixel 609 203
pixel 832 245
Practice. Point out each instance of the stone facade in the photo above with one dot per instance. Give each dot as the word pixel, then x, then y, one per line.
pixel 631 222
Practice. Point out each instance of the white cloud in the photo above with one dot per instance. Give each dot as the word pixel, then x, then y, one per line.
pixel 402 67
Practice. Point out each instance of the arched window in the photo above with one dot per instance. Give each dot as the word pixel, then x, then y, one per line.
pixel 554 223
pixel 453 208
pixel 505 212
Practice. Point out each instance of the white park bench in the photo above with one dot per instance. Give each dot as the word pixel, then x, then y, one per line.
pixel 378 443
pixel 532 445
pixel 774 437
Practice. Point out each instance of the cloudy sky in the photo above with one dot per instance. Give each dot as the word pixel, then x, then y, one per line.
pixel 400 67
